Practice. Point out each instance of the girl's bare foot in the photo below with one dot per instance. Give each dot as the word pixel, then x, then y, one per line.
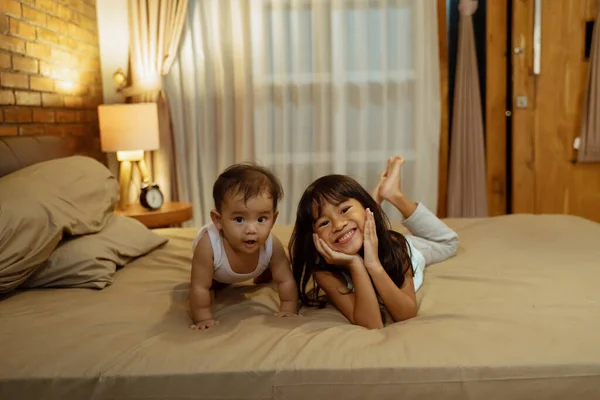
pixel 395 173
pixel 375 193
pixel 391 184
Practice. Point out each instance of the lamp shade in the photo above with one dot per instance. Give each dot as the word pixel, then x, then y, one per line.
pixel 128 127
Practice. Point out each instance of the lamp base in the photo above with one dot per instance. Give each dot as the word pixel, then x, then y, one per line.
pixel 134 155
pixel 125 169
pixel 124 183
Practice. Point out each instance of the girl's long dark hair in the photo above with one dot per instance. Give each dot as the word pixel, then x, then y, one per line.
pixel 394 252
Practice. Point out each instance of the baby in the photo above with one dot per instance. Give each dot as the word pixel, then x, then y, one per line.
pixel 238 246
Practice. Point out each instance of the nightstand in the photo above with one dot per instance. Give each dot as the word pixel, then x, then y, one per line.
pixel 170 214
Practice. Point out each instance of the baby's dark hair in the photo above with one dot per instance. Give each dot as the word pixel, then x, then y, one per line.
pixel 248 179
pixel 394 252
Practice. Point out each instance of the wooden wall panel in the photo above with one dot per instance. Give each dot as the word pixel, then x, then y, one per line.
pixel 495 118
pixel 545 179
pixel 523 127
pixel 591 9
pixel 558 101
pixel 444 131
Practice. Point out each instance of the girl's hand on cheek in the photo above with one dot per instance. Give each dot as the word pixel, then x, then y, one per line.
pixel 371 243
pixel 331 256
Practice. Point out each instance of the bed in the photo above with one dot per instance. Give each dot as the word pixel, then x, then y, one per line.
pixel 515 315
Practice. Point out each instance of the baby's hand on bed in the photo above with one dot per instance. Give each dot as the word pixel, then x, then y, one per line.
pixel 288 308
pixel 285 314
pixel 203 325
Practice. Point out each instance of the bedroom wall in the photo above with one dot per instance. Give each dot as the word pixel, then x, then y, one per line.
pixel 531 164
pixel 546 178
pixel 50 80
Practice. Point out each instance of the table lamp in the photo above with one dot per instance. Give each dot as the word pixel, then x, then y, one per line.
pixel 129 130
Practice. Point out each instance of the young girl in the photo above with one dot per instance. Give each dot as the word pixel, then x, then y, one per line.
pixel 343 240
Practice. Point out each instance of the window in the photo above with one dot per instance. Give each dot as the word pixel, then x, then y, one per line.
pixel 333 85
pixel 331 37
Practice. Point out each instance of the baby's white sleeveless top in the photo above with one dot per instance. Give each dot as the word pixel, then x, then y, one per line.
pixel 222 270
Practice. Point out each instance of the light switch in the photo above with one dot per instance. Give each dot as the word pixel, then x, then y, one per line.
pixel 521 102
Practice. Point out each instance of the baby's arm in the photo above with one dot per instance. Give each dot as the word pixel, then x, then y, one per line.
pixel 201 281
pixel 283 277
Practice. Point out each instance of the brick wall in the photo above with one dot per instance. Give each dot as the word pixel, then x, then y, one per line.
pixel 50 82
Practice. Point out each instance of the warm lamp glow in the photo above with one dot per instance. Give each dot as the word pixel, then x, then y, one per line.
pixel 129 130
pixel 120 78
pixel 65 86
pixel 149 81
pixel 135 155
pixel 128 127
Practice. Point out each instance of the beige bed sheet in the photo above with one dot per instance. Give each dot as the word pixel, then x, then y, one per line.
pixel 516 315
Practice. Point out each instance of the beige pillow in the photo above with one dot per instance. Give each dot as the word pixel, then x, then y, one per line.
pixel 90 261
pixel 38 204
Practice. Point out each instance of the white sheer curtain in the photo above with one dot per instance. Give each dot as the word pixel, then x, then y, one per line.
pixel 307 88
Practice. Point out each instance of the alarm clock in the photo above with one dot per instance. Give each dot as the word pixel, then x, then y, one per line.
pixel 151 197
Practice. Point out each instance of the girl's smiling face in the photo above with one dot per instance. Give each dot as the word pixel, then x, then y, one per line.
pixel 340 225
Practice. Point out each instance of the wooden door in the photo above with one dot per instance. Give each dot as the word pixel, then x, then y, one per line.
pixel 545 178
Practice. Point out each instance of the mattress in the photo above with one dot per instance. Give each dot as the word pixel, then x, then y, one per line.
pixel 515 315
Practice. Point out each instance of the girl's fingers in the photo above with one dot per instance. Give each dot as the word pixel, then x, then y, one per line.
pixel 326 249
pixel 322 251
pixel 317 241
pixel 371 224
pixel 331 256
pixel 368 230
